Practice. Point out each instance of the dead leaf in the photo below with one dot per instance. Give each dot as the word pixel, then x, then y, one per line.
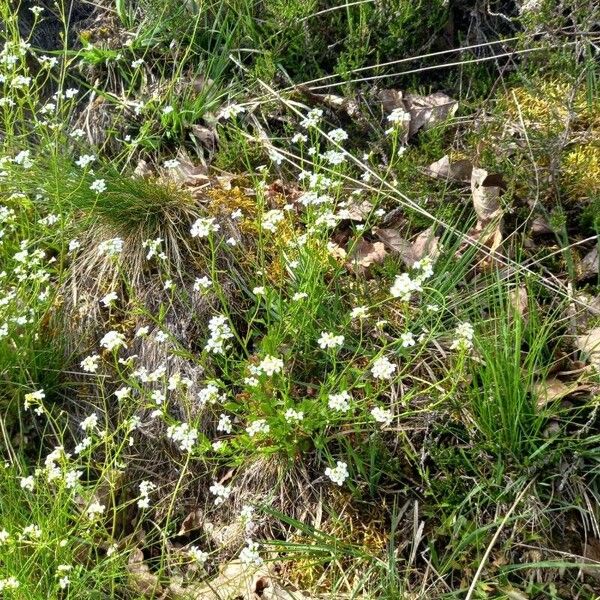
pixel 348 105
pixel 519 300
pixel 540 226
pixel 489 238
pixel 191 522
pixel 142 169
pixel 426 111
pixel 356 212
pixel 367 253
pixel 396 243
pixel 425 244
pixel 187 173
pixel 458 170
pixel 486 190
pixel 207 137
pixel 142 580
pixel 589 344
pixel 423 112
pixel 550 389
pixel 589 264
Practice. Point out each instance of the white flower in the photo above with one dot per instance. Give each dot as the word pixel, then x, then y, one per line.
pixel 338 135
pixel 89 423
pixel 258 426
pixel 203 227
pixel 173 163
pixel 109 299
pixel 220 491
pixel 73 245
pixel 299 296
pixel 249 555
pixel 220 332
pixel 339 401
pixel 464 337
pixel 33 397
pixel 259 291
pixel 98 186
pixel 408 339
pixel 383 369
pixel 137 63
pixel 382 415
pixel 202 283
pixel 210 395
pixel 334 157
pixel 184 435
pixel 95 509
pixel 275 156
pixel 64 582
pixel 425 265
pixel 142 331
pixel 90 363
pixel 232 110
pixel 84 160
pixel 404 286
pixel 312 118
pixel 27 483
pixel 270 365
pixel 197 555
pixel 167 110
pixel 328 340
pixel 299 137
pixel 292 415
pixel 360 312
pixel 36 10
pixel 251 381
pixel 72 477
pixel 224 423
pixel 398 115
pixel 271 219
pixel 158 397
pixel 339 473
pixel 10 583
pixel 111 247
pixel 113 340
pixel 77 133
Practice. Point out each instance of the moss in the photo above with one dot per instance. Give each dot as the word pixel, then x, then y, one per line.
pixel 581 170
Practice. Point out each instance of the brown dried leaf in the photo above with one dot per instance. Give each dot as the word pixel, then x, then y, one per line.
pixel 425 244
pixel 589 264
pixel 589 344
pixel 540 226
pixel 551 389
pixel 396 243
pixel 519 300
pixel 187 173
pixel 207 137
pixel 486 190
pixel 142 169
pixel 426 111
pixel 367 253
pixel 141 579
pixel 356 212
pixel 348 105
pixel 458 170
pixel 192 522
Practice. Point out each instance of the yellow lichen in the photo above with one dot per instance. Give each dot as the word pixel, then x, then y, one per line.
pixel 581 170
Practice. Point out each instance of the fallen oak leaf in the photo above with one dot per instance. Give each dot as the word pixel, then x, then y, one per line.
pixel 366 253
pixel 458 170
pixel 486 190
pixel 589 344
pixel 425 244
pixel 589 264
pixel 141 578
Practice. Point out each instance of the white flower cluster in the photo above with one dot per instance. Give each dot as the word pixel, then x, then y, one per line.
pixel 111 247
pixel 184 435
pixel 382 368
pixel 204 227
pixel 249 554
pixel 197 555
pixel 269 365
pixel 339 473
pixel 329 340
pixel 464 337
pixel 220 491
pixel 271 218
pixel 220 332
pixel 258 426
pixel 113 340
pixel 339 402
pixel 145 488
pixel 382 415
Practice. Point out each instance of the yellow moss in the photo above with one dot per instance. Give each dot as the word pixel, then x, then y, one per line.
pixel 548 106
pixel 581 170
pixel 231 200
